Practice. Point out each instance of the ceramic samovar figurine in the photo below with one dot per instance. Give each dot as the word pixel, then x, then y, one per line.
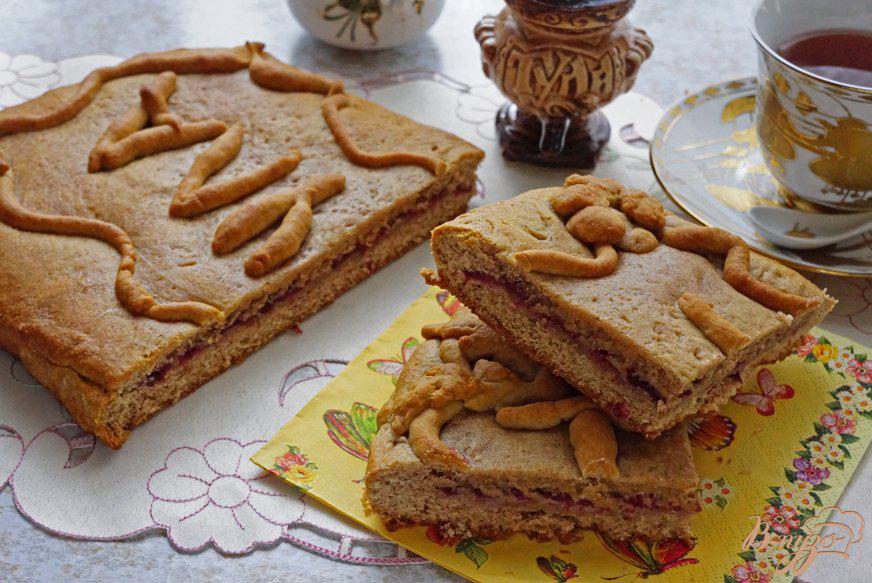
pixel 558 62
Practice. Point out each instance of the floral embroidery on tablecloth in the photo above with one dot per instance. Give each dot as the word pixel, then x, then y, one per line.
pixel 24 77
pixel 213 494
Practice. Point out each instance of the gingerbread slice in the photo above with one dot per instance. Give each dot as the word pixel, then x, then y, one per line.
pixel 653 319
pixel 541 465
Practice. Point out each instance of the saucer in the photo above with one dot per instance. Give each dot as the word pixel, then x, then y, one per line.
pixel 707 159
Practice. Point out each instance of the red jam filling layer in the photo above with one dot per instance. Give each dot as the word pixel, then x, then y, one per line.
pixel 601 357
pixel 644 501
pixel 160 373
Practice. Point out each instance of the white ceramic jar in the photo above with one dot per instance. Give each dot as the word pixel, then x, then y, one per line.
pixel 366 24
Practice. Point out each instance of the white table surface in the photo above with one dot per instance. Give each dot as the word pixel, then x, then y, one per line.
pixel 696 44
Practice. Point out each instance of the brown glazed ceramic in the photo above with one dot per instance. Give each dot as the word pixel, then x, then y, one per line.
pixel 558 61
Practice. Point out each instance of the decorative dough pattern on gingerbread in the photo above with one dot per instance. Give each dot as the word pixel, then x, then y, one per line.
pixel 285 241
pixel 440 380
pixel 716 328
pixel 554 262
pixel 154 100
pixel 542 415
pixel 212 196
pixel 219 153
pixel 130 293
pixel 270 73
pixel 591 204
pixel 737 272
pixel 72 100
pixel 128 138
pixel 330 108
pixel 159 139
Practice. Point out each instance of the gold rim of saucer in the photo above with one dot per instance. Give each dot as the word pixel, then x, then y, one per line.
pixel 661 131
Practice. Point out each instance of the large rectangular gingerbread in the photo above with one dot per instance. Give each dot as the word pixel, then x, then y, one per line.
pixel 171 214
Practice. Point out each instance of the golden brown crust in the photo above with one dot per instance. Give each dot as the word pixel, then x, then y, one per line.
pixel 255 216
pixel 154 100
pixel 576 197
pixel 611 187
pixel 330 109
pixel 153 106
pixel 697 239
pixel 130 121
pixel 212 196
pixel 559 263
pixel 159 139
pixel 596 447
pixel 424 437
pixel 597 224
pixel 81 324
pixel 436 385
pixel 716 328
pixel 589 201
pixel 130 293
pixel 287 239
pixel 737 266
pixel 737 273
pixel 68 102
pixel 270 73
pixel 638 240
pixel 643 209
pixel 594 222
pixel 542 415
pixel 499 386
pixel 219 153
pixel 84 400
pixel 284 242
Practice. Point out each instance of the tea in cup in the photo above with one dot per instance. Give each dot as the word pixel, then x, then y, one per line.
pixel 814 98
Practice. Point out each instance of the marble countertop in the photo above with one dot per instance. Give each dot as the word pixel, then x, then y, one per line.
pixel 694 47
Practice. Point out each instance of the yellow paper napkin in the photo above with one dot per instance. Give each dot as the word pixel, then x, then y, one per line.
pixel 781 452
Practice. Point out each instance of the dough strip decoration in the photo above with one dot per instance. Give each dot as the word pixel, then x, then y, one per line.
pixel 330 108
pixel 150 127
pixel 127 139
pixel 440 380
pixel 270 73
pixel 130 293
pixel 69 101
pixel 252 219
pixel 604 214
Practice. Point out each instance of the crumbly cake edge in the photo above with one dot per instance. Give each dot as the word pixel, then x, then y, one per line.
pixel 625 411
pixel 387 488
pixel 101 412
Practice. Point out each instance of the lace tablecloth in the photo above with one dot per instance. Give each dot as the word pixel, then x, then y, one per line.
pixel 186 473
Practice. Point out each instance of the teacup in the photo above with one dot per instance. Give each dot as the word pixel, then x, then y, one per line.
pixel 815 133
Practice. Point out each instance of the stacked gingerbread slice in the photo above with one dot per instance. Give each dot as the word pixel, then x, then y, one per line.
pixel 596 324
